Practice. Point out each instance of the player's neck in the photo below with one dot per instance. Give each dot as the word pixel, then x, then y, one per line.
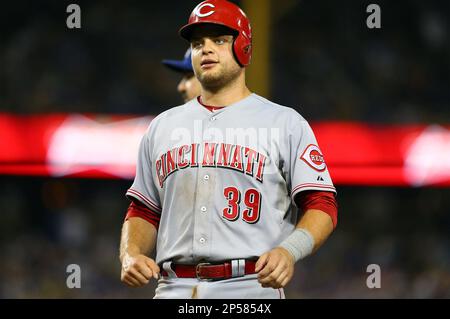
pixel 227 95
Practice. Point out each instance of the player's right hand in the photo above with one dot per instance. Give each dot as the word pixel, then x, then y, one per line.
pixel 138 270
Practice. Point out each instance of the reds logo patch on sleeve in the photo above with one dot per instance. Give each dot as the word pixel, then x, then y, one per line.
pixel 314 158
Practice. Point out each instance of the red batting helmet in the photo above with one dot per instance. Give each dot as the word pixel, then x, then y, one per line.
pixel 227 14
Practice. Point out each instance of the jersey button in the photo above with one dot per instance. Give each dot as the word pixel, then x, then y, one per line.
pixel 203 209
pixel 206 177
pixel 213 118
pixel 202 240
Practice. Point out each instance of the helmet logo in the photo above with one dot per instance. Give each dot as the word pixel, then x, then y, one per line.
pixel 200 7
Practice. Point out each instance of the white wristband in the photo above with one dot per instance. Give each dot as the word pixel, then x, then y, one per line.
pixel 300 243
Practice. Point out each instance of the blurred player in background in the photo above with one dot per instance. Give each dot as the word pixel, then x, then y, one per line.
pixel 189 87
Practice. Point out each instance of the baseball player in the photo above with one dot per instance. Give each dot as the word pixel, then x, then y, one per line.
pixel 232 188
pixel 189 86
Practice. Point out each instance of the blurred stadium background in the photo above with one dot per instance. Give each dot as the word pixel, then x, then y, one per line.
pixel 318 57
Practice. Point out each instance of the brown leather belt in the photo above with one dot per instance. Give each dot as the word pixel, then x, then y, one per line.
pixel 208 271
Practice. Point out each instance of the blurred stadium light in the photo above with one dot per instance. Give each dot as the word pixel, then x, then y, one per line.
pixel 76 145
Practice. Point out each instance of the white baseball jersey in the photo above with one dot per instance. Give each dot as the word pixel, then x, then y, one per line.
pixel 224 181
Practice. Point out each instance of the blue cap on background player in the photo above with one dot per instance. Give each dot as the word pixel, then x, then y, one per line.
pixel 181 66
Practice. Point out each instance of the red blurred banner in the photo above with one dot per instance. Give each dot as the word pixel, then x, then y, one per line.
pixel 103 146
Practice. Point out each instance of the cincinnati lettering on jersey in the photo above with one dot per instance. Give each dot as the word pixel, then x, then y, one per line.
pixel 219 155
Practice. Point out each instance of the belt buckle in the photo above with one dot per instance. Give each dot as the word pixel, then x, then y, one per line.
pixel 197 271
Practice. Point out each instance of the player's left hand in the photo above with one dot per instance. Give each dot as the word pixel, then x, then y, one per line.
pixel 275 268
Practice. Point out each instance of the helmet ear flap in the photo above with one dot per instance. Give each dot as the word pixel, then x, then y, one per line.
pixel 242 49
pixel 247 49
